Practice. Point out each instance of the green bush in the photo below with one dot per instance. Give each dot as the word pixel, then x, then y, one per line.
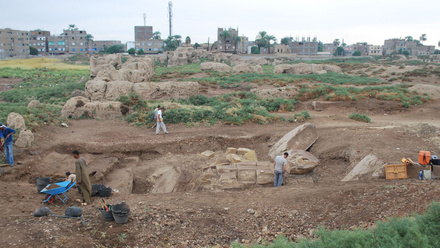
pixel 410 232
pixel 360 117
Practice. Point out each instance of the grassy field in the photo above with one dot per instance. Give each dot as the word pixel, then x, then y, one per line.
pixel 48 80
pixel 51 81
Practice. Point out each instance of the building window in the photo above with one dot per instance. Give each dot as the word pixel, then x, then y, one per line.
pixel 50 43
pixel 73 50
pixel 82 50
pixel 61 43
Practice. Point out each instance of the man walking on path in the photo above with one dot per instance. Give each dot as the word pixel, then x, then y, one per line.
pixel 82 178
pixel 6 133
pixel 155 116
pixel 280 168
pixel 159 120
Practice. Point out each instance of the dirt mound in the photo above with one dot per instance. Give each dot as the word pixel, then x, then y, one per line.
pixel 213 66
pixel 433 91
pixel 303 68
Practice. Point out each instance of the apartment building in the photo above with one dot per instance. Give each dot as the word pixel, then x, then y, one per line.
pixel 375 50
pixel 56 45
pixel 228 44
pixel 143 38
pixel 76 41
pixel 38 39
pixel 305 46
pixel 395 46
pixel 99 45
pixel 13 42
pixel 361 47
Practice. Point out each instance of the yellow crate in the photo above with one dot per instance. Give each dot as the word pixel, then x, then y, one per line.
pixel 395 171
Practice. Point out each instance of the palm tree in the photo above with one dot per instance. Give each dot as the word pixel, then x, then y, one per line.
pixel 156 35
pixel 72 27
pixel 423 38
pixel 261 39
pixel 89 39
pixel 409 38
pixel 187 40
pixel 270 38
pixel 224 35
pixel 177 39
pixel 236 39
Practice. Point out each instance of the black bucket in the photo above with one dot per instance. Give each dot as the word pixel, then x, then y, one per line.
pixel 105 192
pixel 121 218
pixel 107 215
pixel 121 212
pixel 96 188
pixel 42 182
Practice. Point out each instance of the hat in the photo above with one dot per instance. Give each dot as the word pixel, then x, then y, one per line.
pixel 2 126
pixel 163 108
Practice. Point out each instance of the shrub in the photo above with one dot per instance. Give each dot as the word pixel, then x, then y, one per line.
pixel 360 117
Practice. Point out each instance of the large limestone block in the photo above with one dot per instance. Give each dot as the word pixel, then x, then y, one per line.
pixel 98 64
pixel 366 167
pixel 247 68
pixel 242 151
pixel 116 89
pixel 207 155
pixel 230 150
pixel 264 175
pixel 300 138
pixel 246 173
pixel 74 107
pixel 251 156
pixel 219 67
pixel 25 139
pixel 95 90
pixel 222 169
pixel 229 181
pixel 300 162
pixel 16 121
pixel 233 158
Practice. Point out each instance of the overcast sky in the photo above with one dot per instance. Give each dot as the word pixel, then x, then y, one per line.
pixel 370 21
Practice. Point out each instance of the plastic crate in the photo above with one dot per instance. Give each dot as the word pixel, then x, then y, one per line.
pixel 395 171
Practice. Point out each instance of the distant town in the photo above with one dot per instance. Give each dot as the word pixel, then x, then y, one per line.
pixel 24 43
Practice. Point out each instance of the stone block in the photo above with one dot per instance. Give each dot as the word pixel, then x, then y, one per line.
pixel 264 176
pixel 233 158
pixel 207 155
pixel 231 150
pixel 251 156
pixel 243 151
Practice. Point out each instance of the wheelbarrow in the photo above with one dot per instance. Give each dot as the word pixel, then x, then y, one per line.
pixel 59 192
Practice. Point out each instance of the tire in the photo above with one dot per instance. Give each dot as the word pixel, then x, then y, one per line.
pixel 50 197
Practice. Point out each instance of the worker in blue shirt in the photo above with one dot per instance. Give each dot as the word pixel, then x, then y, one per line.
pixel 6 133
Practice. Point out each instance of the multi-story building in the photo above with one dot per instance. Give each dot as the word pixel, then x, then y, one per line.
pixel 99 45
pixel 228 44
pixel 143 38
pixel 361 47
pixel 56 44
pixel 13 42
pixel 38 39
pixel 76 41
pixel 304 47
pixel 395 46
pixel 329 47
pixel 375 50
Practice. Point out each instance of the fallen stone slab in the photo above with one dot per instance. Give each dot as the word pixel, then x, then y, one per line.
pixel 300 162
pixel 300 138
pixel 366 167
